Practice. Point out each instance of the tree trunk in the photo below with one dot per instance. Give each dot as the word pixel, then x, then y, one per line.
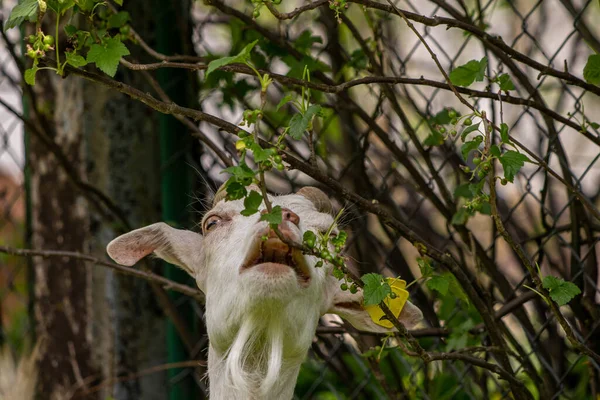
pixel 63 287
pixel 98 324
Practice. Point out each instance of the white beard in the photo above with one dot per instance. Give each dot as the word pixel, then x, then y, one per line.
pixel 256 366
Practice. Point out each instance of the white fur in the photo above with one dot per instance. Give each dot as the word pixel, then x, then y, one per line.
pixel 260 327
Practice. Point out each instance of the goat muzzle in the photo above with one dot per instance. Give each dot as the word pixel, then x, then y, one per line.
pixel 273 256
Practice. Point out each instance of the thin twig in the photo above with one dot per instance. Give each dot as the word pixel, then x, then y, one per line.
pixel 146 275
pixel 141 373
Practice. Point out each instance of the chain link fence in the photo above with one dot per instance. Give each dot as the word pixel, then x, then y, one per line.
pixel 416 183
pixel 543 216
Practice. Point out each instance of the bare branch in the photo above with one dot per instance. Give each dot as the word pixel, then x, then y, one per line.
pixel 146 275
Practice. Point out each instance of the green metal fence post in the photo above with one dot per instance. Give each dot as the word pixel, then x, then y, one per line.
pixel 175 182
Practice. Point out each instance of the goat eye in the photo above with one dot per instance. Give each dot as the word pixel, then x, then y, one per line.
pixel 212 222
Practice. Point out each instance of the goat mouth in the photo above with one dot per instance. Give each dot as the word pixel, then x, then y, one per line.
pixel 274 256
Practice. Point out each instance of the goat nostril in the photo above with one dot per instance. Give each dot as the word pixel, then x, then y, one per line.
pixel 289 215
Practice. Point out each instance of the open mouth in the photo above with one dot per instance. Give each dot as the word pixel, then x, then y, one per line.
pixel 273 255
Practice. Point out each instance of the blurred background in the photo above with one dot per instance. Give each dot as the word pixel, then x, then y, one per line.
pixel 81 163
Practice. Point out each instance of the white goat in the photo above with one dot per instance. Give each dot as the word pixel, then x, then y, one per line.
pixel 263 299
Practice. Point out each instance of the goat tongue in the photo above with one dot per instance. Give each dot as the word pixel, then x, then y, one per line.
pixel 274 250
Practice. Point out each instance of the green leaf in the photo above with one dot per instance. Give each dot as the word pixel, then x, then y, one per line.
pixel 30 75
pixel 469 129
pixel 304 42
pixel 505 82
pixel 442 117
pixel 595 125
pixel 261 154
pixel 286 99
pixel 300 123
pixel 274 217
pixel 25 10
pixel 70 30
pixel 242 57
pixel 486 208
pixel 482 67
pixel 461 217
pixel 435 138
pixel 512 161
pixel 463 191
pixel 457 341
pixel 504 133
pixel 358 60
pixel 100 33
pixel 107 55
pixel 591 71
pixel 297 66
pixel 60 6
pixel 240 172
pixel 476 188
pixel 118 20
pixel 75 60
pixel 439 283
pixel 251 203
pixel 459 338
pixel 119 2
pixel 469 146
pixel 235 190
pixel 495 150
pixel 86 5
pixel 560 291
pixel 455 289
pixel 425 266
pixel 375 289
pixel 466 74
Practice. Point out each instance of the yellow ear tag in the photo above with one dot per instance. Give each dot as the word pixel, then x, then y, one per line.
pixel 395 305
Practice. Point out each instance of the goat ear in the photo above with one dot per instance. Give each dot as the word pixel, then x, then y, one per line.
pixel 175 246
pixel 350 307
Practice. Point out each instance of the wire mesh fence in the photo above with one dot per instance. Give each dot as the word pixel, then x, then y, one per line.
pixel 537 209
pixel 372 138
